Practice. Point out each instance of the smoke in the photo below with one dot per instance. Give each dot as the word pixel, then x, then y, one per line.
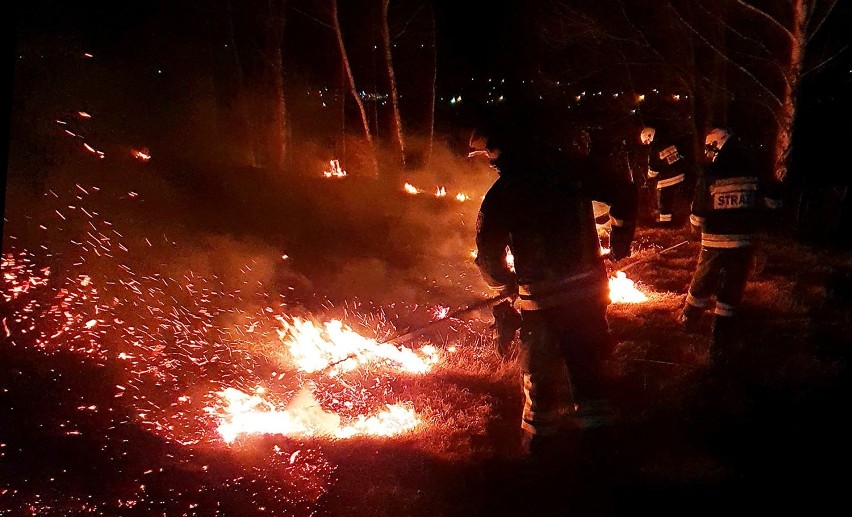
pixel 266 238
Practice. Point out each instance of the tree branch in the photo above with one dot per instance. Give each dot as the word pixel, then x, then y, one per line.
pixel 731 61
pixel 759 12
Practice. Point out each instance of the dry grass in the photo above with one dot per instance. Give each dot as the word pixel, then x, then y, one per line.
pixel 690 442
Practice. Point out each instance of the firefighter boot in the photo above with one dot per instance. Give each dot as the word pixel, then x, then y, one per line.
pixel 690 317
pixel 725 345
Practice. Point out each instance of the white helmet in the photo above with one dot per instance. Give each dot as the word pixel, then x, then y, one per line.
pixel 647 135
pixel 714 141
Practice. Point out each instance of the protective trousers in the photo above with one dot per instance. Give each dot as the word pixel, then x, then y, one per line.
pixel 564 352
pixel 668 191
pixel 723 273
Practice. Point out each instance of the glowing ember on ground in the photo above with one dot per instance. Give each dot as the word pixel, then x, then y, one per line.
pixel 143 155
pixel 303 416
pixel 334 170
pixel 441 313
pixel 334 348
pixel 99 154
pixel 623 290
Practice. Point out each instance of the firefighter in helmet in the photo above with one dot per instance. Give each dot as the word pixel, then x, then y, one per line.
pixel 730 198
pixel 540 210
pixel 667 170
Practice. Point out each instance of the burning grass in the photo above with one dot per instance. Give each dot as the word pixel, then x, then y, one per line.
pixel 232 372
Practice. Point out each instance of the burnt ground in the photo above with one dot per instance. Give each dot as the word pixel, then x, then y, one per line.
pixel 769 436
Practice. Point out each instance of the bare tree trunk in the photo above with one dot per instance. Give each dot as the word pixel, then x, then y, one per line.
pixel 345 59
pixel 277 120
pixel 394 94
pixel 431 140
pixel 789 95
pixel 242 114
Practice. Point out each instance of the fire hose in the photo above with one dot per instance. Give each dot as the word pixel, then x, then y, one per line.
pixel 657 254
pixel 456 314
pixel 494 300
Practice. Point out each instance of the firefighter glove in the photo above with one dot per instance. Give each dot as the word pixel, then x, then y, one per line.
pixel 507 321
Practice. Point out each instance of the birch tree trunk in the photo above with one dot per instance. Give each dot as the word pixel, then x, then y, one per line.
pixel 351 79
pixel 789 95
pixel 394 94
pixel 797 31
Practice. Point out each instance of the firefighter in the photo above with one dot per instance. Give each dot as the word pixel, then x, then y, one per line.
pixel 729 201
pixel 540 210
pixel 667 170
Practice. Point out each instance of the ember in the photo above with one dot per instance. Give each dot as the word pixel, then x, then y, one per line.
pixel 143 155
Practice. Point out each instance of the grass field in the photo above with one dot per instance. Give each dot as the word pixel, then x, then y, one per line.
pixel 137 294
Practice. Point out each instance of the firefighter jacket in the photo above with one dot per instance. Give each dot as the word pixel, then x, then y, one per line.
pixel 732 198
pixel 667 163
pixel 540 209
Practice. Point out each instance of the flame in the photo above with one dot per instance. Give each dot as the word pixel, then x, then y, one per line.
pixel 440 192
pixel 143 155
pixel 411 189
pixel 510 259
pixel 623 290
pixel 334 348
pixel 251 414
pixel 334 170
pixel 462 196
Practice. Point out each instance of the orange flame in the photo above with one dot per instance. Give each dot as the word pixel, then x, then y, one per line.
pixel 143 155
pixel 623 290
pixel 334 170
pixel 334 348
pixel 251 414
